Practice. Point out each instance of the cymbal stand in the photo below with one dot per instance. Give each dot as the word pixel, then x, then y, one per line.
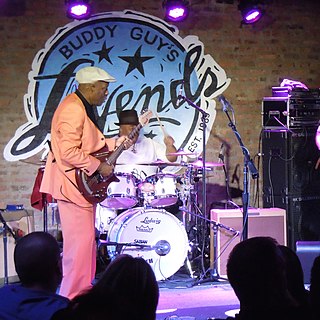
pixel 186 194
pixel 204 116
pixel 5 230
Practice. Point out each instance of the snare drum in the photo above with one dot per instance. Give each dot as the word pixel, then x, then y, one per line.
pixel 122 194
pixel 160 190
pixel 153 234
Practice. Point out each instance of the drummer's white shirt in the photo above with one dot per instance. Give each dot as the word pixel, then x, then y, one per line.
pixel 145 150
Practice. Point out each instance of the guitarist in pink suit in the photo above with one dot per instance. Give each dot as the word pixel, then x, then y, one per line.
pixel 74 137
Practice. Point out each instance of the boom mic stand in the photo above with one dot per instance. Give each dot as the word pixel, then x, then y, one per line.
pixel 248 166
pixel 214 276
pixel 5 229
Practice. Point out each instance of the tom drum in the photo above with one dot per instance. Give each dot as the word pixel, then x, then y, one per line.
pixel 121 194
pixel 159 190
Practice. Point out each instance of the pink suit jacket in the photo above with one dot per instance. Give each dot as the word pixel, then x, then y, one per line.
pixel 73 138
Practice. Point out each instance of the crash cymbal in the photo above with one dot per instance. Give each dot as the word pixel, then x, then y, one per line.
pixel 181 153
pixel 199 164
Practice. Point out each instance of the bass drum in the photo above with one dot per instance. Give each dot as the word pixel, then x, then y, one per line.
pixel 153 234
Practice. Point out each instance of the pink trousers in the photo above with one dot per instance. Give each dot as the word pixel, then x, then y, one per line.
pixel 79 248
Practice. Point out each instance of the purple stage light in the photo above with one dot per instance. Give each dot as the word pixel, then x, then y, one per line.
pixel 176 10
pixel 252 15
pixel 78 9
pixel 250 11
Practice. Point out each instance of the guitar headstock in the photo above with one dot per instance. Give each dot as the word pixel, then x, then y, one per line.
pixel 145 117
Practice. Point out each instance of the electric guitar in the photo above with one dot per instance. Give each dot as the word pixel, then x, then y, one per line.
pixel 94 188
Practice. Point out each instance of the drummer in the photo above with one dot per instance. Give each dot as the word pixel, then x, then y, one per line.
pixel 144 150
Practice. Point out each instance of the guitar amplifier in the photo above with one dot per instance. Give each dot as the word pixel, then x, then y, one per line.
pixel 290 111
pixel 21 222
pixel 261 222
pixel 275 110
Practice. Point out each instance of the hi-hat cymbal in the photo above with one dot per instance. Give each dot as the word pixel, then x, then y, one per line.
pixel 181 153
pixel 199 164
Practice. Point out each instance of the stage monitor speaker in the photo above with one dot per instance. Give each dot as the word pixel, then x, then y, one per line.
pixel 291 181
pixel 21 222
pixel 307 251
pixel 261 222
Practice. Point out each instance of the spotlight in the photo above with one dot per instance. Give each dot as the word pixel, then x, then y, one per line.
pixel 78 9
pixel 250 10
pixel 176 10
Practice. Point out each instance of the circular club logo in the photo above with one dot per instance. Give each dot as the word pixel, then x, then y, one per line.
pixel 155 69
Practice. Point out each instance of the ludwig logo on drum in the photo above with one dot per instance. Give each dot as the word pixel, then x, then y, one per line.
pixel 150 62
pixel 148 220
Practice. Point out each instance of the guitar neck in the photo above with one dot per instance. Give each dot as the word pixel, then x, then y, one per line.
pixel 116 153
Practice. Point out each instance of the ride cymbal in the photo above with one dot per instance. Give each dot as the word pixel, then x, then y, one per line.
pixel 199 164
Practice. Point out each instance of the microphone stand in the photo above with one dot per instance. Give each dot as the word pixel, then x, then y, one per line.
pixel 214 275
pixel 248 166
pixel 5 229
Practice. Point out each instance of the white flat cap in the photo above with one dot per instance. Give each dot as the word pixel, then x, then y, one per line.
pixel 93 74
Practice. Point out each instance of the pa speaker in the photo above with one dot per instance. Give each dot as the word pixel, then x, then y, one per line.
pixel 291 180
pixel 21 222
pixel 261 222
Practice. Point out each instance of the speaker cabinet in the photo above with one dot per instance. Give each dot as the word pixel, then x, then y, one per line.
pixel 307 251
pixel 261 222
pixel 290 180
pixel 21 222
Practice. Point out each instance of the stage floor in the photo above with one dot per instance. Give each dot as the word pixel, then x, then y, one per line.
pixel 200 302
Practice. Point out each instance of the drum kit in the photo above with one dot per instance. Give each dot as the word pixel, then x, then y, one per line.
pixel 135 219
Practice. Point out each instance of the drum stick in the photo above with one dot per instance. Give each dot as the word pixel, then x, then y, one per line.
pixel 161 126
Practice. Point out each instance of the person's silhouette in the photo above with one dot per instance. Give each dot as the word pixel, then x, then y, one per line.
pixel 38 265
pixel 256 271
pixel 127 290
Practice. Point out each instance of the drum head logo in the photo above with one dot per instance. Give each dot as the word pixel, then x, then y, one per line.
pixel 153 66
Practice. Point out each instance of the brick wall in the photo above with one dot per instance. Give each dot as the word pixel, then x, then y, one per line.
pixel 284 44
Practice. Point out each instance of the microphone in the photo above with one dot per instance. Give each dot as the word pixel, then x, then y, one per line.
pixel 225 103
pixel 222 153
pixel 179 97
pixel 162 247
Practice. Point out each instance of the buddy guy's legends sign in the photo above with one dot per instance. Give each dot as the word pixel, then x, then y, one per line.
pixel 151 63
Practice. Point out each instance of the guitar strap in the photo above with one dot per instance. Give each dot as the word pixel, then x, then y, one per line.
pixel 89 108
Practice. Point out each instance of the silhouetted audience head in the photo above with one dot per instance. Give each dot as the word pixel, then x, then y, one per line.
pixel 127 290
pixel 315 288
pixel 38 265
pixel 294 275
pixel 256 270
pixel 37 261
